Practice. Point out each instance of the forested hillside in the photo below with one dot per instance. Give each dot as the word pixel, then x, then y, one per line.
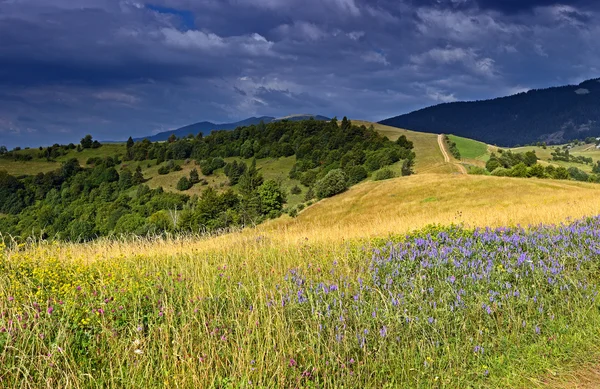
pixel 106 197
pixel 554 115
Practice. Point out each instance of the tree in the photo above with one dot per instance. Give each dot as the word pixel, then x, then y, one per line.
pixel 172 138
pixel 519 170
pixel 356 174
pixel 194 177
pixel 250 180
pixel 96 144
pixel 384 174
pixel 402 141
pixel 184 184
pixel 333 183
pixel 295 190
pixel 310 194
pixel 138 177
pixel 87 142
pixel 3 150
pixel 407 165
pixel 125 179
pixel 130 143
pixel 346 124
pixel 272 198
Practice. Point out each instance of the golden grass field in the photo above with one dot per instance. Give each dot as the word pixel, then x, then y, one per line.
pixel 329 235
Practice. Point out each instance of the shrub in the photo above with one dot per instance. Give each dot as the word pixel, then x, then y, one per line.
pixel 501 172
pixel 477 171
pixel 295 190
pixel 333 183
pixel 163 170
pixel 384 174
pixel 194 177
pixel 184 184
pixel 356 174
pixel 310 194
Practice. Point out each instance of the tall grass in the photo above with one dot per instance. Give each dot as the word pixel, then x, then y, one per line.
pixel 338 297
pixel 441 308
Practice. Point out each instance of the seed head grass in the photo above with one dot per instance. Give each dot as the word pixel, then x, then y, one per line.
pixel 391 284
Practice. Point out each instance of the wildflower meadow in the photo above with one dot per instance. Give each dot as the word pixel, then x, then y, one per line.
pixel 442 307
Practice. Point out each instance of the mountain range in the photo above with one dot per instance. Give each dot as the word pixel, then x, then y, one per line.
pixel 553 115
pixel 206 127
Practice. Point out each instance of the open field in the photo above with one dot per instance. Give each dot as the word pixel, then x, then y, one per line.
pixel 339 296
pixel 587 150
pixel 429 158
pixel 470 149
pixel 295 302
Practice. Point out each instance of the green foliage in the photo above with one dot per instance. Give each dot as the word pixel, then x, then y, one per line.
pixel 183 184
pixel 234 171
pixel 384 174
pixel 272 198
pixel 508 159
pixel 310 194
pixel 452 147
pixel 477 171
pixel 564 155
pixel 295 190
pixel 355 174
pixel 333 183
pixel 87 142
pixel 402 141
pixel 524 118
pixel 99 200
pixel 209 165
pixel 194 176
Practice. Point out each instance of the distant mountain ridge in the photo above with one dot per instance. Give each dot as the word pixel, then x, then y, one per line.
pixel 553 115
pixel 206 127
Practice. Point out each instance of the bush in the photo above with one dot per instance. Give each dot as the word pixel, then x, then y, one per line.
pixel 308 178
pixel 194 177
pixel 333 183
pixel 501 172
pixel 310 194
pixel 184 184
pixel 295 190
pixel 163 170
pixel 356 174
pixel 384 174
pixel 477 171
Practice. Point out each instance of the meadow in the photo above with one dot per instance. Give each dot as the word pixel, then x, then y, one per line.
pixel 340 296
pixel 431 280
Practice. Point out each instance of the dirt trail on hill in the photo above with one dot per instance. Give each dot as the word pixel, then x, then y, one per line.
pixel 460 167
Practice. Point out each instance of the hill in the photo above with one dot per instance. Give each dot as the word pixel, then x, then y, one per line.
pixel 553 115
pixel 384 284
pixel 206 127
pixel 122 191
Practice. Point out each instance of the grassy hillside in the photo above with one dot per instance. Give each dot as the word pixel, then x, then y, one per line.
pixel 470 149
pixel 553 115
pixel 296 303
pixel 587 150
pixel 429 157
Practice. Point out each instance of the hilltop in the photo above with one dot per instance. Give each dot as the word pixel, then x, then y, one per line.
pixel 205 127
pixel 553 115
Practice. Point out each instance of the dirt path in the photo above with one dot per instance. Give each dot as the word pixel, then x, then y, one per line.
pixel 441 142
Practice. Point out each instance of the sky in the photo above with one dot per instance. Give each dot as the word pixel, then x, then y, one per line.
pixel 115 68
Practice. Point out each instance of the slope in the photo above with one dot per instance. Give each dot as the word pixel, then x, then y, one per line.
pixel 553 115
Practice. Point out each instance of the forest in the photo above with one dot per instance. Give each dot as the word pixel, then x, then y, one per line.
pixel 105 197
pixel 554 116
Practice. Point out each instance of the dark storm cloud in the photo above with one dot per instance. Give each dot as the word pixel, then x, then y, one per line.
pixel 115 68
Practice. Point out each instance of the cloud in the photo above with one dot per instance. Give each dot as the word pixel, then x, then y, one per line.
pixel 375 57
pixel 115 67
